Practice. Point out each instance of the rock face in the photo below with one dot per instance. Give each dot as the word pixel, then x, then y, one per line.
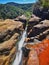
pixel 35 49
pixel 10 32
pixel 37 29
pixel 41 12
pixel 8 28
pixel 38 54
pixel 23 19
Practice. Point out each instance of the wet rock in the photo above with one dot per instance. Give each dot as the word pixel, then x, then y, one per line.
pixel 25 51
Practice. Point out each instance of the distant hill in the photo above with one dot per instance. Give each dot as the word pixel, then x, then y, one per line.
pixel 11 10
pixel 22 6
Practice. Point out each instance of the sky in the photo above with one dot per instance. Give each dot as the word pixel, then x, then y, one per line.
pixel 18 1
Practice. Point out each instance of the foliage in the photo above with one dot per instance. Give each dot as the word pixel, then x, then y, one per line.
pixel 12 10
pixel 44 3
pixel 7 11
pixel 28 14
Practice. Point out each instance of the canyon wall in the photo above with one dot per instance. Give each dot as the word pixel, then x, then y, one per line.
pixel 10 32
pixel 35 49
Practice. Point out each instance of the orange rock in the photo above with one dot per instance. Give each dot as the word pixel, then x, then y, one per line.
pixel 40 54
pixel 33 58
pixel 44 56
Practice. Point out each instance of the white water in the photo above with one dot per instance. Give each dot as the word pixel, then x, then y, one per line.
pixel 18 58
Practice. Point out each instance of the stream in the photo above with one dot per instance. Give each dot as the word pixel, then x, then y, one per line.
pixel 18 59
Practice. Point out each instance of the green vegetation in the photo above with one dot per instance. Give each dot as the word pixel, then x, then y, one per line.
pixel 28 14
pixel 12 10
pixel 7 11
pixel 44 3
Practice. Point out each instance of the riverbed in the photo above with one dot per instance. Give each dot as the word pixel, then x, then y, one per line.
pixel 18 59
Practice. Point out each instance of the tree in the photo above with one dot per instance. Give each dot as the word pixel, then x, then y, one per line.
pixel 44 3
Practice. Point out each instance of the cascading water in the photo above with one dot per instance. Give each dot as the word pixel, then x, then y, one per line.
pixel 18 58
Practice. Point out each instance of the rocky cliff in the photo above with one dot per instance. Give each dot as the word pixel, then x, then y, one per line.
pixel 10 32
pixel 37 54
pixel 35 50
pixel 23 19
pixel 42 12
pixel 37 29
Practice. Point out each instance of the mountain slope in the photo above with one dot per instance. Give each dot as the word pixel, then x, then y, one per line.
pixel 22 6
pixel 11 10
pixel 8 11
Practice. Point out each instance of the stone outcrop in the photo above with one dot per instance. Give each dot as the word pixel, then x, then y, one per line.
pixel 35 49
pixel 23 19
pixel 38 30
pixel 41 12
pixel 8 28
pixel 38 53
pixel 10 32
pixel 34 20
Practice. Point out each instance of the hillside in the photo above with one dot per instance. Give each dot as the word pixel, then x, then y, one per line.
pixel 22 6
pixel 11 10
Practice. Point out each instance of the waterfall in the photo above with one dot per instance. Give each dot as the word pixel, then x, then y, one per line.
pixel 18 58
